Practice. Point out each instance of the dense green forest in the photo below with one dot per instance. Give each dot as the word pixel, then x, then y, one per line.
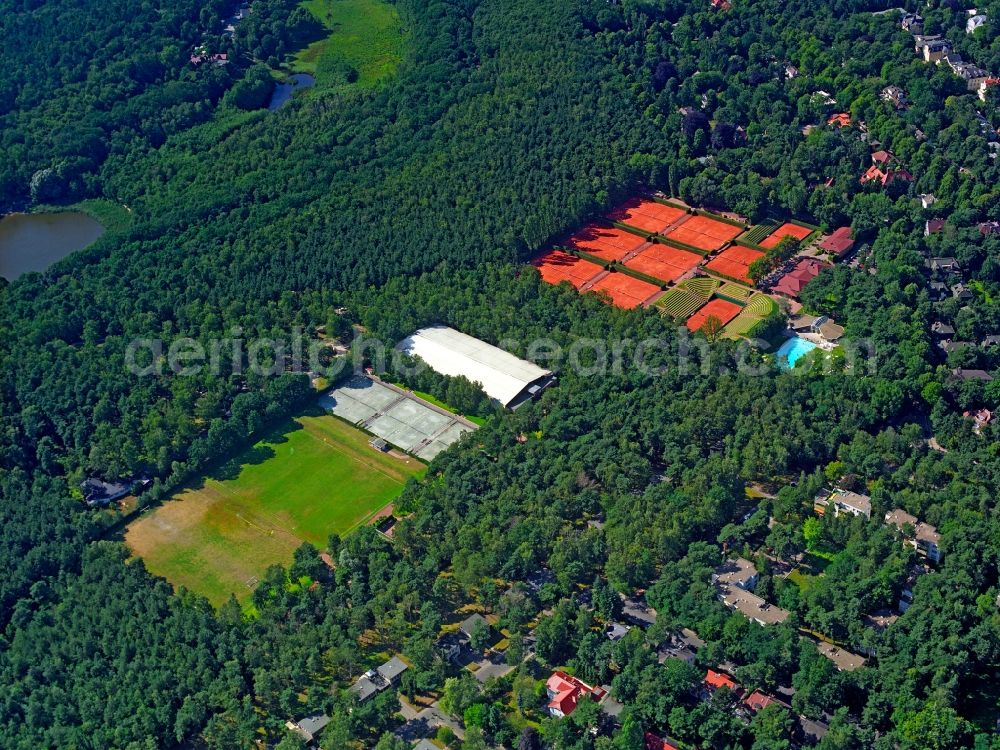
pixel 416 202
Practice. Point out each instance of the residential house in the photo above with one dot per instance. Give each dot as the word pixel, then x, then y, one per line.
pixel 566 691
pixel 792 283
pixel 839 120
pixel 980 419
pixel 308 728
pixel 615 631
pixel 471 624
pixel 989 227
pixel 948 346
pixel 655 742
pixel 367 685
pixel 964 374
pixel 946 266
pixel 716 681
pixel 895 96
pixel 973 75
pixel 974 22
pixel 933 49
pixel 450 647
pixel 98 493
pixel 933 226
pixel 885 177
pixel 984 87
pixel 927 200
pixel 989 341
pixel 843 501
pixel 791 71
pixel 752 606
pixel 882 158
pixel 392 670
pixel 821 325
pixel 913 23
pixel 376 680
pixel 938 290
pixel 757 701
pixel 923 537
pixel 843 660
pixel 425 744
pixel 739 572
pixel 961 292
pixel 906 593
pixel 839 243
pixel 942 330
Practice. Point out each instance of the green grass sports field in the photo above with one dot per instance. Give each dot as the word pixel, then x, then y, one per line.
pixel 311 477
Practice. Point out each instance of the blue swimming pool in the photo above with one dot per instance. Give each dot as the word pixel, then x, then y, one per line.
pixel 793 350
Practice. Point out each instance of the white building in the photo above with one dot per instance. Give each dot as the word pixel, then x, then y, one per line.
pixel 505 378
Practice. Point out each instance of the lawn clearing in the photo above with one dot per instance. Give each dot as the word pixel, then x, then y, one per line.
pixel 309 478
pixel 365 34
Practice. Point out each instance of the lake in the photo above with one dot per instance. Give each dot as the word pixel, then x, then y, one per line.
pixel 283 91
pixel 33 242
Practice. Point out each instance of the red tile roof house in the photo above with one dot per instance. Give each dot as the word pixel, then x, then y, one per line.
pixel 839 243
pixel 716 680
pixel 758 701
pixel 565 692
pixel 881 158
pixel 653 742
pixel 791 284
pixel 889 176
pixel 933 226
pixel 840 120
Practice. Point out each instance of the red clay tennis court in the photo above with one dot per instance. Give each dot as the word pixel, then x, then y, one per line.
pixel 719 308
pixel 785 230
pixel 607 243
pixel 663 262
pixel 556 266
pixel 704 233
pixel 734 262
pixel 647 215
pixel 625 291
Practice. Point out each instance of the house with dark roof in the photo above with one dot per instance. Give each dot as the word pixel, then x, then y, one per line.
pixel 913 23
pixel 308 728
pixel 965 374
pixel 98 494
pixel 895 96
pixel 961 292
pixel 944 265
pixel 942 330
pixel 938 290
pixel 989 227
pixel 392 670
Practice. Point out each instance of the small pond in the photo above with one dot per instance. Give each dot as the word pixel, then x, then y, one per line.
pixel 283 91
pixel 33 242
